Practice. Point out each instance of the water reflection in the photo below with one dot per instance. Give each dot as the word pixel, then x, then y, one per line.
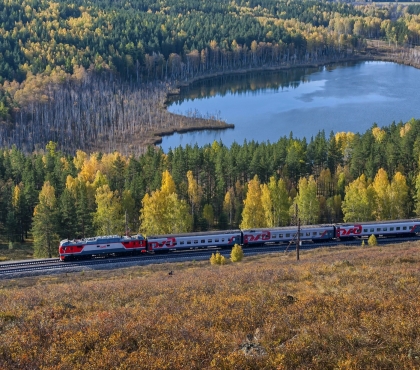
pixel 266 106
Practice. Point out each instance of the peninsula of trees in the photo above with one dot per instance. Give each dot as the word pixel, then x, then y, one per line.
pixel 94 75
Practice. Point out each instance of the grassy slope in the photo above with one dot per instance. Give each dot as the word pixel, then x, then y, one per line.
pixel 337 308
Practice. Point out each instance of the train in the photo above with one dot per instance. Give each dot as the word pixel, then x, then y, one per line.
pixel 115 245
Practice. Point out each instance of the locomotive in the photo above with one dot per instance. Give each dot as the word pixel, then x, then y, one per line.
pixel 115 245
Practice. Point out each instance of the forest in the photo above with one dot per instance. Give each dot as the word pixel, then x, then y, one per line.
pixel 63 62
pixel 83 91
pixel 52 195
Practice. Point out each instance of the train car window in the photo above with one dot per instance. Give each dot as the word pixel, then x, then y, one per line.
pixel 223 240
pixel 203 241
pixel 273 236
pixel 195 241
pixel 287 235
pixel 397 228
pixel 385 229
pixel 181 243
pixel 314 233
pixel 98 246
pixel 391 229
pixel 280 235
pixel 216 240
pixel 405 228
pixel 308 234
pixel 189 242
pixel 378 229
pixel 301 234
pixel 372 230
pixel 210 241
pixel 365 230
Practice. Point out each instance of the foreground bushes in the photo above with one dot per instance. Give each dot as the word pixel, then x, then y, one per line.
pixel 346 309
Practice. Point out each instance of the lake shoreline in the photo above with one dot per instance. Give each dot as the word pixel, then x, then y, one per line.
pixel 383 53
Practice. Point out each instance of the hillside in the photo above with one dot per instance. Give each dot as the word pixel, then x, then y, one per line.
pixel 341 308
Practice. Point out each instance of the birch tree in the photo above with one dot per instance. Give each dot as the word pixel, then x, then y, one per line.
pixel 253 212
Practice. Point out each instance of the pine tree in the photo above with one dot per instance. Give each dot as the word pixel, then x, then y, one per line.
pixel 45 223
pixel 67 215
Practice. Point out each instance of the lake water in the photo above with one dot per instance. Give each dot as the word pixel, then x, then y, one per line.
pixel 265 106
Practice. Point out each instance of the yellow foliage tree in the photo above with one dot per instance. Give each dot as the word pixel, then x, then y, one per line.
pixel 217 259
pixel 359 202
pixel 237 253
pixel 253 213
pixel 307 201
pixel 163 212
pixel 383 204
pixel 372 241
pixel 108 217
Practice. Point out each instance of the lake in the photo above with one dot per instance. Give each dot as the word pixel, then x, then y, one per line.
pixel 265 106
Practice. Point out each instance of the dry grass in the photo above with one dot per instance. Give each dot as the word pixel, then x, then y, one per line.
pixel 335 309
pixel 20 251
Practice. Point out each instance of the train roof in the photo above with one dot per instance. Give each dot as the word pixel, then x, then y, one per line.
pixel 379 222
pixel 102 239
pixel 284 228
pixel 200 233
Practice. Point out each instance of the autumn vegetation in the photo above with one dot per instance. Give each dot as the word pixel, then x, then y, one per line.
pixel 337 308
pixel 47 196
pixel 62 62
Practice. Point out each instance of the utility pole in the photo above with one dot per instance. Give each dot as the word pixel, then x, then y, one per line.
pixel 298 239
pixel 298 232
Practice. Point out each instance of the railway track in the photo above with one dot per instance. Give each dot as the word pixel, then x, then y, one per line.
pixel 53 265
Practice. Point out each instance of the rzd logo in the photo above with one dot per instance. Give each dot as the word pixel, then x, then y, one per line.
pixel 355 230
pixel 169 242
pixel 265 235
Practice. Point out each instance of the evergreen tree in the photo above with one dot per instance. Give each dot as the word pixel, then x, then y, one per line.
pixel 45 223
